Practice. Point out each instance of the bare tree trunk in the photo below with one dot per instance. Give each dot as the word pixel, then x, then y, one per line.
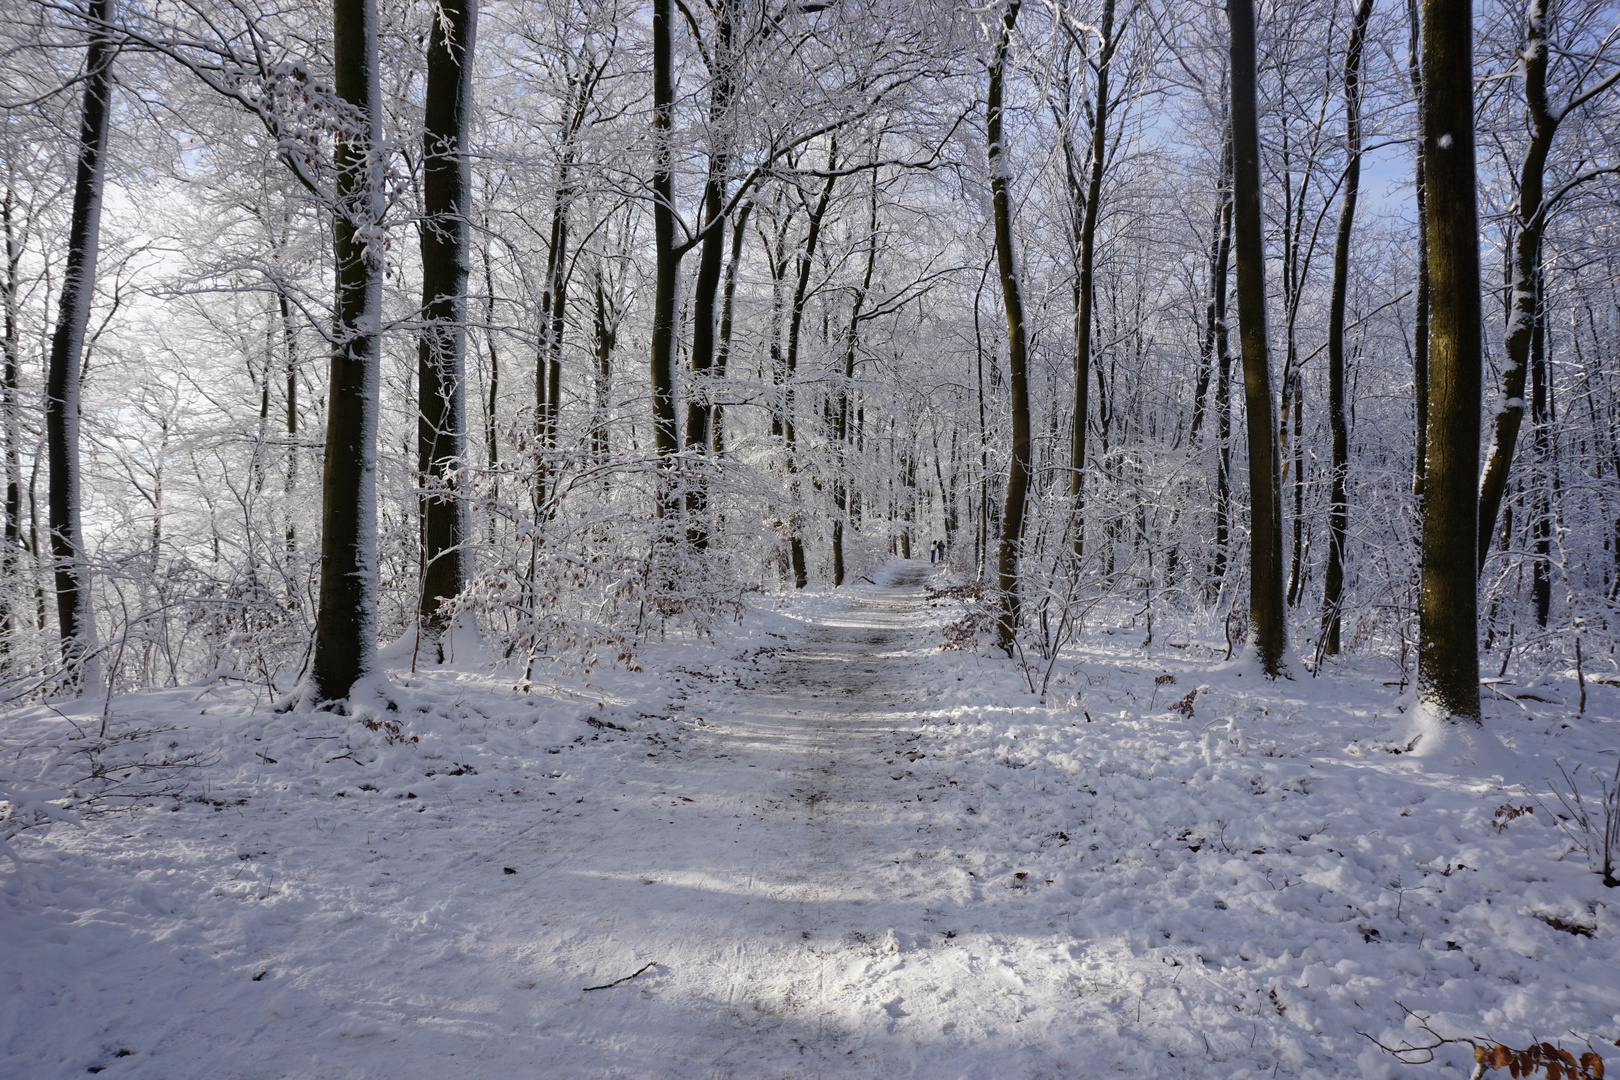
pixel 446 262
pixel 346 626
pixel 666 424
pixel 1339 512
pixel 75 615
pixel 289 481
pixel 722 349
pixel 699 409
pixel 1012 519
pixel 604 334
pixel 1085 289
pixel 1220 330
pixel 1525 275
pixel 1268 628
pixel 1541 419
pixel 841 482
pixel 1448 645
pixel 801 293
pixel 10 421
pixel 1420 303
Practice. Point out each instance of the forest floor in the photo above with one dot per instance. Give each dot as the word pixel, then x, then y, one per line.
pixel 823 847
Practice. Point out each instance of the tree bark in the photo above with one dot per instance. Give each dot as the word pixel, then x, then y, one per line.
pixel 1012 518
pixel 1085 290
pixel 801 294
pixel 74 611
pixel 841 481
pixel 1420 302
pixel 346 625
pixel 722 347
pixel 711 258
pixel 441 355
pixel 11 423
pixel 1268 628
pixel 1525 275
pixel 1448 646
pixel 1339 510
pixel 666 424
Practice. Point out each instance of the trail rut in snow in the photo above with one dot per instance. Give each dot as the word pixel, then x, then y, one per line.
pixel 783 864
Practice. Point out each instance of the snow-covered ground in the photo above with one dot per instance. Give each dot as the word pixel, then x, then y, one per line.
pixel 824 847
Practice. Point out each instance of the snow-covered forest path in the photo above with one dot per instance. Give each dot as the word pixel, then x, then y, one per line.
pixel 822 847
pixel 786 867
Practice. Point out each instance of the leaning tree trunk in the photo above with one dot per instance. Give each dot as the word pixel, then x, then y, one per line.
pixel 346 625
pixel 74 613
pixel 1012 518
pixel 441 358
pixel 1448 645
pixel 1339 512
pixel 1268 628
pixel 1525 276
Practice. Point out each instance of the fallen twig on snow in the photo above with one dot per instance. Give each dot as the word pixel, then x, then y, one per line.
pixel 627 978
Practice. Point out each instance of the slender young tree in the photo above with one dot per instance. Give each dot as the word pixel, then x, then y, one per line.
pixel 346 624
pixel 1012 518
pixel 1084 208
pixel 1268 628
pixel 700 407
pixel 441 440
pixel 1339 499
pixel 817 212
pixel 1525 272
pixel 1448 645
pixel 1420 298
pixel 74 612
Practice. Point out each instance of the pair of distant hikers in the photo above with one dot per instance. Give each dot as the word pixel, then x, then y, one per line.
pixel 936 551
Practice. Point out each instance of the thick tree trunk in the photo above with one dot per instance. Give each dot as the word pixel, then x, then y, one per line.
pixel 1012 518
pixel 446 263
pixel 1339 510
pixel 1268 628
pixel 346 625
pixel 75 615
pixel 1448 646
pixel 666 423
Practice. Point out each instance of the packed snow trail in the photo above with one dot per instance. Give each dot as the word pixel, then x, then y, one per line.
pixel 782 869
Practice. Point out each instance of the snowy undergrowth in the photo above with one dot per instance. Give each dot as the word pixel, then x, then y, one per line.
pixel 1251 877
